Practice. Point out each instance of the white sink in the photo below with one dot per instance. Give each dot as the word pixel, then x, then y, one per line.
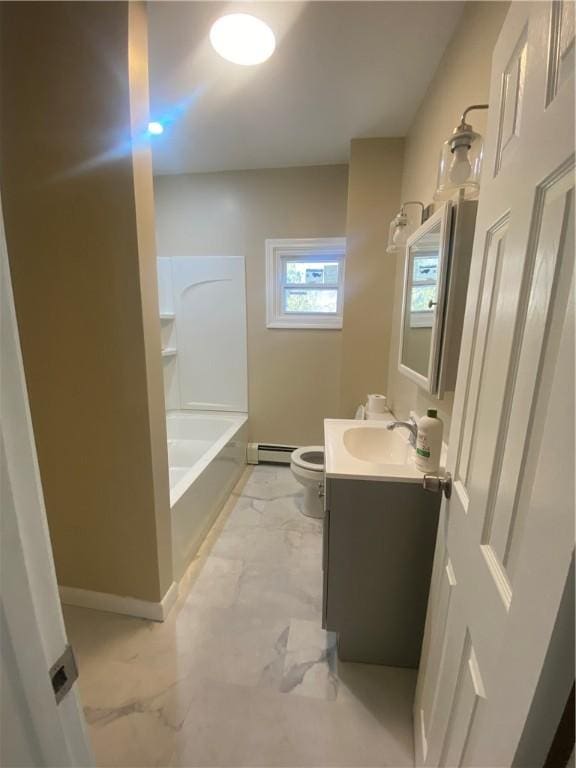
pixel 377 445
pixel 367 450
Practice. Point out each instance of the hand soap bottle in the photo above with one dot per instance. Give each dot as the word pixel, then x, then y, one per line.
pixel 429 442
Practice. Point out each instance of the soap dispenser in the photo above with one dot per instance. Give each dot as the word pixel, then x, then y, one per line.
pixel 429 442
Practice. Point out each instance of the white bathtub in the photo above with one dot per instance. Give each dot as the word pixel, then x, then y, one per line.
pixel 206 456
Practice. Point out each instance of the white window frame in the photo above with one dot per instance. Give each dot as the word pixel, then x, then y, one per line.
pixel 421 318
pixel 278 252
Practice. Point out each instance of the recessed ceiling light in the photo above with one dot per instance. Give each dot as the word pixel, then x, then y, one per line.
pixel 155 128
pixel 242 39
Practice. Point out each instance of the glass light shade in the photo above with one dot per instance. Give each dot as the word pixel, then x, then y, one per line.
pixel 460 164
pixel 398 233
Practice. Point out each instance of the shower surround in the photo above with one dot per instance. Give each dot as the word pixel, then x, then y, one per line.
pixel 203 321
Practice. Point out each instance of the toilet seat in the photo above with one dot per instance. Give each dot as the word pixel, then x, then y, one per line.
pixel 310 458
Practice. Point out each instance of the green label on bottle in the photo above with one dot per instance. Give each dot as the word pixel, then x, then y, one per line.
pixel 422 452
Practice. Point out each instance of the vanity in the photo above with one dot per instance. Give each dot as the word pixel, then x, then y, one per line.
pixel 378 543
pixel 380 523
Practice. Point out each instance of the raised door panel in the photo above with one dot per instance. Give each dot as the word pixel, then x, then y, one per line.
pixel 561 47
pixel 551 247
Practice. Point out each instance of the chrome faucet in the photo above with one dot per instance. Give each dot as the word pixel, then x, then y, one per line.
pixel 410 425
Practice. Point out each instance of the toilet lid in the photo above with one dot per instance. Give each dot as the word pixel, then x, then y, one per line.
pixel 310 457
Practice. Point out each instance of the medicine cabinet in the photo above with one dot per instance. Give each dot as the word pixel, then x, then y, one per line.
pixel 436 273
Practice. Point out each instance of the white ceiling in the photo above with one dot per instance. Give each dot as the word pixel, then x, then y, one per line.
pixel 341 70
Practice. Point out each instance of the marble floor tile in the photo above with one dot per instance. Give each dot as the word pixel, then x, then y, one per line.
pixel 270 483
pixel 233 645
pixel 310 661
pixel 293 592
pixel 241 673
pixel 142 731
pixel 280 513
pixel 218 583
pixel 274 546
pixel 236 726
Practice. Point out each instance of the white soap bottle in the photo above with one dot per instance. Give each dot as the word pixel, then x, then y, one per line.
pixel 429 442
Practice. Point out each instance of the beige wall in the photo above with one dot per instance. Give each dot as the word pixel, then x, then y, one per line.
pixel 79 227
pixel 293 375
pixel 373 200
pixel 462 78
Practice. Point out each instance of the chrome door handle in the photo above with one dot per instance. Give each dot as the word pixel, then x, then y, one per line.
pixel 438 484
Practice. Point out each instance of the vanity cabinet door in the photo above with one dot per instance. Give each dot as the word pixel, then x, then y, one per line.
pixel 380 540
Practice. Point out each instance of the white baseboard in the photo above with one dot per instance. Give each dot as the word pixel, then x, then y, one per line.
pixel 130 606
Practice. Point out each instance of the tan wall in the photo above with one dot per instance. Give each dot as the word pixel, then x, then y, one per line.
pixel 293 375
pixel 462 78
pixel 80 241
pixel 373 200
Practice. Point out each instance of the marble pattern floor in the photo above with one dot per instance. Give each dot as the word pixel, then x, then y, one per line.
pixel 241 673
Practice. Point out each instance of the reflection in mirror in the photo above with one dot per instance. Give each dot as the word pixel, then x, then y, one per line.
pixel 421 296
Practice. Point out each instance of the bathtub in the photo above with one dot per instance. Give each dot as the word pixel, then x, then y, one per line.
pixel 206 456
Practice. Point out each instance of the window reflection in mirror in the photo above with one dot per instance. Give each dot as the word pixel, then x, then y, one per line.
pixel 421 299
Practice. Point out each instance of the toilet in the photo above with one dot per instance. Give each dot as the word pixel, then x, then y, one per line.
pixel 307 465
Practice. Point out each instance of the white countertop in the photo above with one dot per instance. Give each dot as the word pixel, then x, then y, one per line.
pixel 341 464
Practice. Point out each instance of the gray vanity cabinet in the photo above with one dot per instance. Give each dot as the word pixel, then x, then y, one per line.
pixel 379 540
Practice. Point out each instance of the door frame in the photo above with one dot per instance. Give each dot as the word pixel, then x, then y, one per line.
pixel 30 603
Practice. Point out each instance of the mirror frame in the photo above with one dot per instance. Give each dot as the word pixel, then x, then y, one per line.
pixel 442 216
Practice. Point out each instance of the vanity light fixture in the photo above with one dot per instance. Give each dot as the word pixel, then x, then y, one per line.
pixel 461 161
pixel 398 233
pixel 242 39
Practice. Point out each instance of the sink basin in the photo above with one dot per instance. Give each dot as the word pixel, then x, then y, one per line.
pixel 366 450
pixel 377 445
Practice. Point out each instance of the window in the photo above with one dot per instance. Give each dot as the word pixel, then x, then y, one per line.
pixel 305 282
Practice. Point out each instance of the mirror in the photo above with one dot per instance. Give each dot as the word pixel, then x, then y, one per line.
pixel 435 284
pixel 422 295
pixel 424 281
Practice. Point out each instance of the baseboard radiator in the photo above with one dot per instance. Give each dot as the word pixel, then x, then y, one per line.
pixel 269 453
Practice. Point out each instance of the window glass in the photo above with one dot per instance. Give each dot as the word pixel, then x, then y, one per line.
pixel 302 300
pixel 306 272
pixel 425 269
pixel 421 295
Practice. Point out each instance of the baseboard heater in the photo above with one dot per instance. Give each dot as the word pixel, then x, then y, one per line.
pixel 269 453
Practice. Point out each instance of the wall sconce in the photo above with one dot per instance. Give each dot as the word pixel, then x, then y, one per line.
pixel 461 161
pixel 398 232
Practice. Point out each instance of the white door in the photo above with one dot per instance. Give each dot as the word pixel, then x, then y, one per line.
pixel 506 536
pixel 34 729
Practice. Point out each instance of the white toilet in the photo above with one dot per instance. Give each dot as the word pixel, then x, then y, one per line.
pixel 307 465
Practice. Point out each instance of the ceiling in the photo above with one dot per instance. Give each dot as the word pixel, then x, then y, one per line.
pixel 341 70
